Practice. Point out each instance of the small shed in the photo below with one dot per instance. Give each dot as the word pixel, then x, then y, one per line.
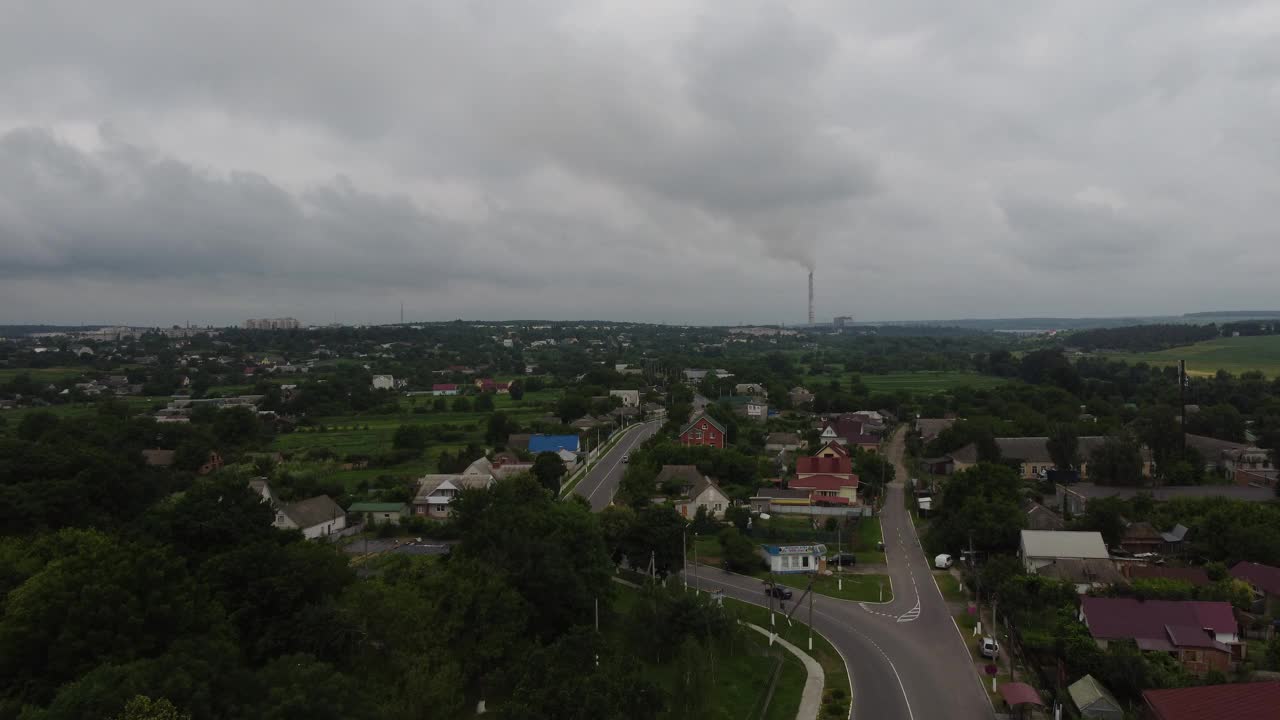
pixel 1093 700
pixel 376 513
pixel 1020 695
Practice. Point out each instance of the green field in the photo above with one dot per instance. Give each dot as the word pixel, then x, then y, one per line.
pixel 913 382
pixel 49 374
pixel 1235 355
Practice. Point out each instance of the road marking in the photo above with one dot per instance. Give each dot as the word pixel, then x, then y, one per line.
pixel 615 465
pixel 912 614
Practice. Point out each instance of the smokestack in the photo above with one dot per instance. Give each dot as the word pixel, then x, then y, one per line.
pixel 810 297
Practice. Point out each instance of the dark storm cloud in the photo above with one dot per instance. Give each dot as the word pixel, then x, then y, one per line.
pixel 667 160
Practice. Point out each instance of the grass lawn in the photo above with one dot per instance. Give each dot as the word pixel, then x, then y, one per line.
pixel 1235 355
pixel 866 538
pixel 372 434
pixel 926 382
pixel 859 588
pixel 950 587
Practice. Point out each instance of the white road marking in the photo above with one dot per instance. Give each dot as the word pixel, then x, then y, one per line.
pixel 615 465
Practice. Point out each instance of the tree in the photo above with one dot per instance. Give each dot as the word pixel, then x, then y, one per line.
pixel 703 523
pixel 1064 446
pixel 581 677
pixel 549 469
pixel 461 404
pixel 410 437
pixel 141 707
pixel 516 390
pixel 552 552
pixel 439 405
pixel 739 553
pixel 500 426
pixel 658 533
pixel 236 426
pixel 571 407
pixel 1118 461
pixel 980 505
pixel 617 523
pixel 484 402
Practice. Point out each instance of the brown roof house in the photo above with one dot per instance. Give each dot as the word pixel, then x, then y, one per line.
pixel 692 490
pixel 1141 537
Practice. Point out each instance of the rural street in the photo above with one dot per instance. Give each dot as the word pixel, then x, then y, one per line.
pixel 906 658
pixel 602 480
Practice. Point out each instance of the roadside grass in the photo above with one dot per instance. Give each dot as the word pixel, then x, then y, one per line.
pixel 871 588
pixel 950 587
pixel 835 675
pixel 1235 355
pixel 740 675
pixel 866 539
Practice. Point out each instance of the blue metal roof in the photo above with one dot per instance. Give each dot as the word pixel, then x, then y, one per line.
pixel 552 443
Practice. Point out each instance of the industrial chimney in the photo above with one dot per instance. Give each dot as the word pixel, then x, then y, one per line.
pixel 810 297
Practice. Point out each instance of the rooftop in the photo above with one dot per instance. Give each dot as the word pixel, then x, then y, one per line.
pixel 1261 576
pixel 1063 544
pixel 1115 618
pixel 1235 701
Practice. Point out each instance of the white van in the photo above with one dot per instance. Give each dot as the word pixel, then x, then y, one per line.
pixel 943 562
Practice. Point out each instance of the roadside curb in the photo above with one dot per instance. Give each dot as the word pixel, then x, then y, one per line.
pixel 811 696
pixel 588 466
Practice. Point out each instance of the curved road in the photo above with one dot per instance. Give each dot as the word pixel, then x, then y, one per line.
pixel 906 658
pixel 601 482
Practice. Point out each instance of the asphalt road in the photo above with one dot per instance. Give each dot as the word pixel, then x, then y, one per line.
pixel 906 658
pixel 601 482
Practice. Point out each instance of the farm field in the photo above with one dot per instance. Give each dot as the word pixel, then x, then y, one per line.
pixel 137 404
pixel 1235 355
pixel 49 374
pixel 913 382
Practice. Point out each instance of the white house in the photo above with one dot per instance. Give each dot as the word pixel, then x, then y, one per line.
pixel 630 398
pixel 384 382
pixel 316 517
pixel 436 492
pixel 795 558
pixel 703 493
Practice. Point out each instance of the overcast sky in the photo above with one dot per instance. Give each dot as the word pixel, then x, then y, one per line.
pixel 668 160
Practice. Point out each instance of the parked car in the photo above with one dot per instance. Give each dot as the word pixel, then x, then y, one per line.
pixel 779 592
pixel 844 559
pixel 990 648
pixel 943 562
pixel 626 458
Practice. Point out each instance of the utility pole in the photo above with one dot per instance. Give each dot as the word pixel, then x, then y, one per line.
pixel 1182 396
pixel 811 580
pixel 696 583
pixel 684 555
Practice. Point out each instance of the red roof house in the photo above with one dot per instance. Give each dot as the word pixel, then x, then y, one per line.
pixel 840 465
pixel 1204 636
pixel 703 430
pixel 825 488
pixel 1235 701
pixel 1265 581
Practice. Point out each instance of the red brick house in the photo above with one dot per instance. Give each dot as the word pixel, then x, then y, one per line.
pixel 703 430
pixel 1234 701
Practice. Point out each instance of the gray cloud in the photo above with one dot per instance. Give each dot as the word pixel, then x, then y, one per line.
pixel 669 161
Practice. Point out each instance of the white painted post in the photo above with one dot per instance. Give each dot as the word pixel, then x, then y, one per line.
pixel 993 683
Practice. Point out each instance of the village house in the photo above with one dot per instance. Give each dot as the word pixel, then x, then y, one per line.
pixel 629 398
pixel 703 430
pixel 444 389
pixel 317 517
pixel 436 492
pixel 800 398
pixel 1203 636
pixel 384 382
pixel 1039 548
pixel 1234 701
pixel 1265 581
pixel 1229 457
pixel 1032 456
pixel 755 389
pixel 930 428
pixel 789 559
pixel 376 513
pixel 779 441
pixel 829 479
